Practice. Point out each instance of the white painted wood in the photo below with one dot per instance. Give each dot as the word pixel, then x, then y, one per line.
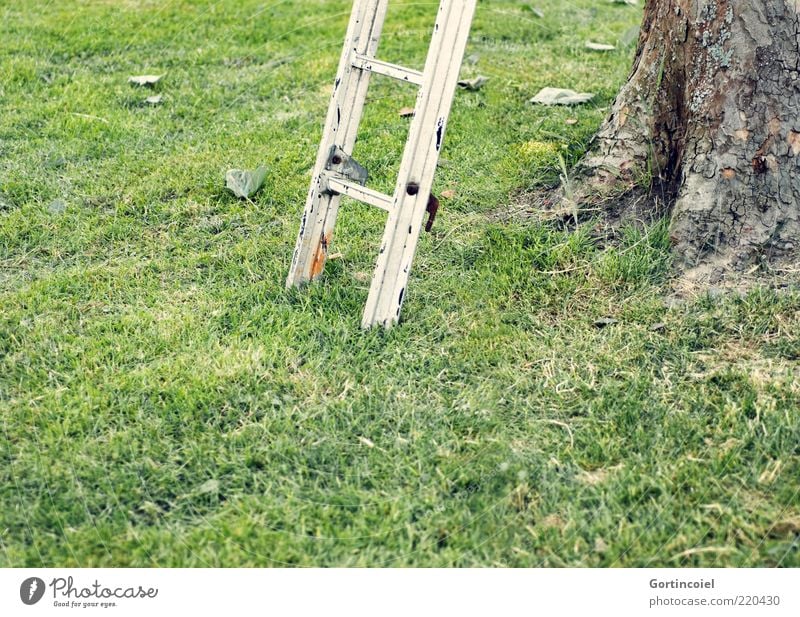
pixel 388 69
pixel 437 84
pixel 341 125
pixel 389 283
pixel 358 192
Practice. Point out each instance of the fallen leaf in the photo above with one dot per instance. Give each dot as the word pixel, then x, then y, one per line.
pixel 559 96
pixel 55 161
pixel 244 183
pixel 473 84
pixel 599 46
pixel 154 100
pixel 448 194
pixel 593 478
pixel 571 121
pixel 553 521
pixel 57 206
pixel 605 321
pixel 145 80
pixel 628 2
pixel 366 442
pixel 150 508
pixel 88 117
pixel 656 327
pixel 600 545
pixel 406 112
pixel 212 224
pixel 209 486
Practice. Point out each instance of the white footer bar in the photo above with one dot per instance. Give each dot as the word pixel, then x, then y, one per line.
pixel 361 592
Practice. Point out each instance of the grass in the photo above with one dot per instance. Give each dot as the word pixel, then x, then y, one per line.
pixel 164 401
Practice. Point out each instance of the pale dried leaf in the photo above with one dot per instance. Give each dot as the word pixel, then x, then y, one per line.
pixel 553 521
pixel 599 46
pixel 57 206
pixel 473 84
pixel 593 478
pixel 245 183
pixel 560 96
pixel 605 321
pixel 144 80
pixel 209 486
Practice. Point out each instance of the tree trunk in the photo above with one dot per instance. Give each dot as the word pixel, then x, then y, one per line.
pixel 711 113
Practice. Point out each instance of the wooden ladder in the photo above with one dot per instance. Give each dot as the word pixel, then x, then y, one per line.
pixel 336 173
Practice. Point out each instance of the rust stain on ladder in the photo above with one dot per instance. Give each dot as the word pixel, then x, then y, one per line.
pixel 320 255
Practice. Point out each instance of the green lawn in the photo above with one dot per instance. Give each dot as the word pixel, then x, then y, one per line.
pixel 164 401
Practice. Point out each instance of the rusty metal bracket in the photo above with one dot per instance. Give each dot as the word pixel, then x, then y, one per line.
pixel 346 166
pixel 432 208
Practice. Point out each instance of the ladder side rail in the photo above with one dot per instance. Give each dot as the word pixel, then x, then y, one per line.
pixel 425 163
pixel 352 110
pixel 341 124
pixel 418 125
pixel 387 291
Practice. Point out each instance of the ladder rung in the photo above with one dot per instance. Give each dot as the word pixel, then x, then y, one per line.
pixel 358 192
pixel 389 70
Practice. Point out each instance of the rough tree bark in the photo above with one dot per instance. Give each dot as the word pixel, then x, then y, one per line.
pixel 711 113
